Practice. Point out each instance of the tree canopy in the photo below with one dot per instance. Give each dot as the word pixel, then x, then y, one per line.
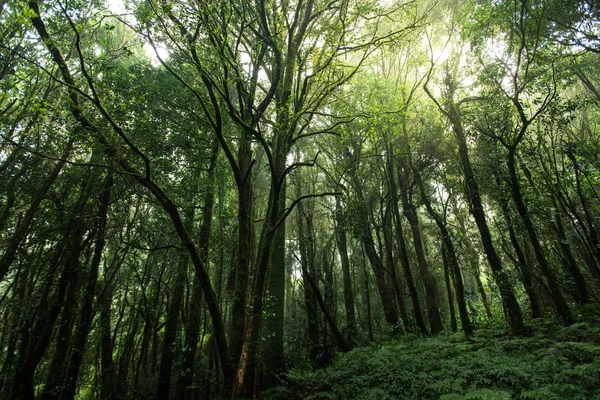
pixel 198 197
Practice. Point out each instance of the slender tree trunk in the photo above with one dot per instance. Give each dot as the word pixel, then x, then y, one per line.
pixel 557 298
pixel 522 264
pixel 19 314
pixel 192 328
pixel 327 264
pixel 86 313
pixel 307 259
pixel 453 324
pixel 389 307
pixel 368 302
pixel 433 312
pixel 144 179
pixel 34 348
pixel 22 229
pixel 507 294
pixel 412 289
pixel 579 287
pixel 450 259
pixel 348 292
pixel 10 192
pixel 342 345
pixel 593 233
pixel 172 322
pixel 391 266
pixel 109 386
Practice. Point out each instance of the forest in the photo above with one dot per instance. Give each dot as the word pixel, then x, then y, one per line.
pixel 290 199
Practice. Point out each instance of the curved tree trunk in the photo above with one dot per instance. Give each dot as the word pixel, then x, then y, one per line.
pixel 449 258
pixel 86 313
pixel 433 312
pixel 509 300
pixel 144 179
pixel 193 322
pixel 412 289
pixel 522 264
pixel 557 297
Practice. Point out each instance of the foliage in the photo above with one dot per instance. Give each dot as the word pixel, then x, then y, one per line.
pixel 558 364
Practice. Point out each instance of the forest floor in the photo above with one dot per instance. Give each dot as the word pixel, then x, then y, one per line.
pixel 553 363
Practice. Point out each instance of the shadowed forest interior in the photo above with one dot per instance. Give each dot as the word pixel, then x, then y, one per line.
pixel 289 199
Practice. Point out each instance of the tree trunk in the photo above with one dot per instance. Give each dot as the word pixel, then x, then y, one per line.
pixel 172 323
pixel 144 179
pixel 245 246
pixel 368 302
pixel 40 334
pixel 23 228
pixel 86 313
pixel 580 291
pixel 391 266
pixel 509 300
pixel 342 345
pixel 453 324
pixel 307 259
pixel 433 312
pixel 592 232
pixel 273 351
pixel 522 264
pixel 109 385
pixel 557 298
pixel 450 259
pixel 348 292
pixel 412 289
pixel 192 328
pixel 389 307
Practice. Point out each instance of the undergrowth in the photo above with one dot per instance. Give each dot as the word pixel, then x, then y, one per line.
pixel 554 363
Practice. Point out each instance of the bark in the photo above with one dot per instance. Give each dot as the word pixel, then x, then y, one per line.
pixel 193 322
pixel 57 382
pixel 557 298
pixel 10 193
pixel 22 229
pixel 86 313
pixel 412 289
pixel 368 302
pixel 509 300
pixel 273 351
pixel 307 260
pixel 38 339
pixel 327 265
pixel 433 312
pixel 389 307
pixel 522 264
pixel 172 323
pixel 391 267
pixel 239 307
pixel 348 292
pixel 592 232
pixel 109 386
pixel 245 382
pixel 450 258
pixel 342 345
pixel 579 287
pixel 453 324
pixel 144 179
